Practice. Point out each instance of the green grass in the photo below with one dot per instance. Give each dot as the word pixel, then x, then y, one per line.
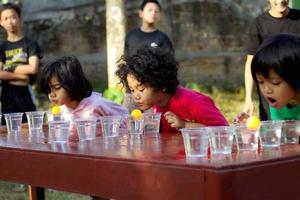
pixel 7 193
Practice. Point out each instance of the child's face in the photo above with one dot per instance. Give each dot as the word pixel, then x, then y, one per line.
pixel 277 91
pixel 58 95
pixel 144 96
pixel 279 6
pixel 150 14
pixel 10 21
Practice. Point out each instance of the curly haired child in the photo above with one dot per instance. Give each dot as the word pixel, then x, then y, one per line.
pixel 151 77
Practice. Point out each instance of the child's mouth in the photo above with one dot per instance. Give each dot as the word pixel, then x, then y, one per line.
pixel 271 101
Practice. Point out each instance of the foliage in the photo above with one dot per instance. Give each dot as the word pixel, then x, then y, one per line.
pixel 114 94
pixel 229 102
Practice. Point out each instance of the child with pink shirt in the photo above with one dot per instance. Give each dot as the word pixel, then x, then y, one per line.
pixel 65 84
pixel 151 77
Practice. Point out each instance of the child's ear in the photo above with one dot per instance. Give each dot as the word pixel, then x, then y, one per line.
pixel 141 14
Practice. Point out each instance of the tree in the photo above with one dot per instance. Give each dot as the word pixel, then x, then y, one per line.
pixel 115 36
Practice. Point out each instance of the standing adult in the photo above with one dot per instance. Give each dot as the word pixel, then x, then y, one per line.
pixel 19 61
pixel 146 35
pixel 279 19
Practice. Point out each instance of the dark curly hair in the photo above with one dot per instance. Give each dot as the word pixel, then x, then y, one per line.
pixel 151 66
pixel 281 53
pixel 144 3
pixel 70 76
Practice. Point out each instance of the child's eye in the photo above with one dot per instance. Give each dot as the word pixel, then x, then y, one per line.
pixel 141 90
pixel 260 82
pixel 276 83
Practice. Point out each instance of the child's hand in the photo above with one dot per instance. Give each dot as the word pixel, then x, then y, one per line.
pixel 174 120
pixel 241 118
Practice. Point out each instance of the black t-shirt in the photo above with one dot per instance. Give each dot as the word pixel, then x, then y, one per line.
pixel 265 25
pixel 14 53
pixel 137 39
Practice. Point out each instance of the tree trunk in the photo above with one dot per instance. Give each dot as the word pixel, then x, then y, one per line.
pixel 115 35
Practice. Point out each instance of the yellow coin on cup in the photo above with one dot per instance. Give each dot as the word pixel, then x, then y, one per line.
pixel 136 114
pixel 253 123
pixel 55 110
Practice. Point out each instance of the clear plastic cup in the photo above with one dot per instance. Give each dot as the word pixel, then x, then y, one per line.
pixel 35 123
pixel 59 131
pixel 290 131
pixel 135 126
pixel 195 141
pixel 221 139
pixel 151 122
pixel 270 133
pixel 86 129
pixel 110 125
pixel 13 122
pixel 246 139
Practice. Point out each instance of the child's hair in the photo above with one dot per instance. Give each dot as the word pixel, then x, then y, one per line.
pixel 151 66
pixel 144 2
pixel 11 6
pixel 281 53
pixel 69 74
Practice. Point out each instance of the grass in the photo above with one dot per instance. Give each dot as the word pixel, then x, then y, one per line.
pixel 229 102
pixel 7 193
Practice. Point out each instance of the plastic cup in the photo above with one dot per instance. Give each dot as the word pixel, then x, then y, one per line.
pixel 290 132
pixel 35 123
pixel 246 139
pixel 221 139
pixel 13 122
pixel 151 122
pixel 111 125
pixel 59 131
pixel 135 126
pixel 86 129
pixel 270 133
pixel 195 141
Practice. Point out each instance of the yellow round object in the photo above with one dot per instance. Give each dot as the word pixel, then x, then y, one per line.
pixel 55 110
pixel 136 114
pixel 253 123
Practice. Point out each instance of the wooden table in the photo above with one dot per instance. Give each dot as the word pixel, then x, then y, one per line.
pixel 148 168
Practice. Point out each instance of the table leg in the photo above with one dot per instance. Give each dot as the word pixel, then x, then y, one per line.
pixel 36 193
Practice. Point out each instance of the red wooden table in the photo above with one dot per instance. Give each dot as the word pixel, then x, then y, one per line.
pixel 148 168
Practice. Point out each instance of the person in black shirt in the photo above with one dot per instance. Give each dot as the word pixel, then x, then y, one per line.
pixel 19 61
pixel 146 35
pixel 279 19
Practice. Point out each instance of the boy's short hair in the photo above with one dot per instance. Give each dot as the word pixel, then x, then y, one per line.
pixel 11 6
pixel 144 2
pixel 281 53
pixel 70 76
pixel 151 66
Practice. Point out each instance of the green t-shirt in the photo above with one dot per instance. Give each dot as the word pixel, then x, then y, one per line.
pixel 285 113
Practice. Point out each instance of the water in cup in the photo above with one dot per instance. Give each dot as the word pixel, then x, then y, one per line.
pixel 110 125
pixel 59 131
pixel 151 122
pixel 246 139
pixel 35 123
pixel 86 129
pixel 270 133
pixel 13 122
pixel 221 139
pixel 195 141
pixel 290 131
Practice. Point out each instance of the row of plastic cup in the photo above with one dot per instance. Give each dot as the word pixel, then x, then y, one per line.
pixel 220 138
pixel 59 130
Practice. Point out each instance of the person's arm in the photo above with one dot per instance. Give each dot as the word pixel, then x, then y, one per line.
pixel 176 122
pixel 249 106
pixel 10 76
pixel 30 68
